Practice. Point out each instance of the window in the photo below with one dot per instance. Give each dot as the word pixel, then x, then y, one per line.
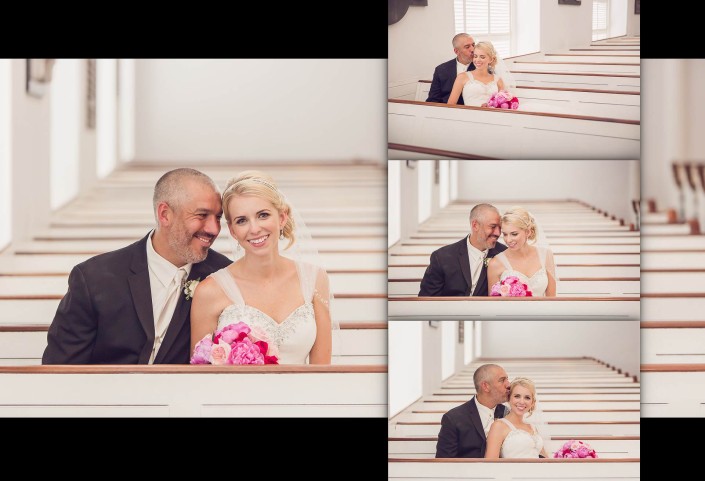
pixel 600 19
pixel 486 20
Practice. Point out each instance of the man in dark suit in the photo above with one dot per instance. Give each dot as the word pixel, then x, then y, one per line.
pixel 128 306
pixel 460 269
pixel 464 428
pixel 445 74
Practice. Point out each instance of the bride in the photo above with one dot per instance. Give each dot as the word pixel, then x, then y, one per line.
pixel 512 436
pixel 478 85
pixel 520 231
pixel 286 298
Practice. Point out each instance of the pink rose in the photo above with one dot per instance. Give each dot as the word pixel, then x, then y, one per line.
pixel 504 290
pixel 574 446
pixel 515 105
pixel 202 351
pixel 504 105
pixel 583 452
pixel 245 352
pixel 219 353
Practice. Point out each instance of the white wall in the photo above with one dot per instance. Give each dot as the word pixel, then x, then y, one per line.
pixel 694 117
pixel 292 110
pixel 420 41
pixel 106 116
pixel 633 21
pixel 405 364
pixel 449 340
pixel 469 351
pixel 126 109
pixel 444 181
pixel 565 26
pixel 606 184
pixel 5 153
pixel 527 31
pixel 618 17
pixel 665 131
pixel 393 202
pixel 29 154
pixel 425 179
pixel 614 342
pixel 65 130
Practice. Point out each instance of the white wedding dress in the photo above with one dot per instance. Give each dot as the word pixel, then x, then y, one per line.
pixel 537 283
pixel 520 443
pixel 295 335
pixel 476 93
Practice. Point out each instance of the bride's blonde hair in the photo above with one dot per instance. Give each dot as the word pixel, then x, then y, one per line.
pixel 490 51
pixel 527 383
pixel 521 218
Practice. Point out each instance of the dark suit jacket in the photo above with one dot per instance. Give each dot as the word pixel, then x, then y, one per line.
pixel 443 80
pixel 461 434
pixel 448 273
pixel 106 315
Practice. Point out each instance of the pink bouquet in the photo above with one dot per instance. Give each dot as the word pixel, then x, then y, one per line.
pixel 575 449
pixel 503 100
pixel 234 344
pixel 510 286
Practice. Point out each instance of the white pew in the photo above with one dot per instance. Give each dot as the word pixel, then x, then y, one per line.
pixel 673 390
pixel 670 307
pixel 580 67
pixel 606 448
pixel 347 283
pixel 357 345
pixel 560 259
pixel 200 391
pixel 607 82
pixel 665 229
pixel 370 244
pixel 514 469
pixel 566 288
pixel 673 243
pixel 575 430
pixel 528 308
pixel 28 311
pixel 599 57
pixel 436 126
pixel 673 346
pixel 414 249
pixel 673 282
pixel 622 105
pixel 397 273
pixel 673 260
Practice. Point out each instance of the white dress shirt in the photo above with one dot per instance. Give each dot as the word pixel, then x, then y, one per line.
pixel 460 67
pixel 486 415
pixel 477 258
pixel 161 275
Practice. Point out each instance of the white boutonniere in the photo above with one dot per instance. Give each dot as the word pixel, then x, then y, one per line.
pixel 190 288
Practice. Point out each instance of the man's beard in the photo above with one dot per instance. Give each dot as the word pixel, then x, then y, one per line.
pixel 180 243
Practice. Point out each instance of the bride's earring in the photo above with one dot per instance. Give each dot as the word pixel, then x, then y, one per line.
pixel 238 247
pixel 281 234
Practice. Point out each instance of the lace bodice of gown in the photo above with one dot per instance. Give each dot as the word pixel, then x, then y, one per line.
pixel 519 443
pixel 476 93
pixel 537 283
pixel 294 336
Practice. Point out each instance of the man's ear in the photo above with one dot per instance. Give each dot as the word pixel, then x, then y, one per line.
pixel 164 214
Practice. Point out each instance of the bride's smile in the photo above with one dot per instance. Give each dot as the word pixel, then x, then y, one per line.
pixel 255 223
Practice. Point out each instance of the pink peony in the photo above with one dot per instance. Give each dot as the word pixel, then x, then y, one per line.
pixel 583 452
pixel 202 351
pixel 232 332
pixel 245 352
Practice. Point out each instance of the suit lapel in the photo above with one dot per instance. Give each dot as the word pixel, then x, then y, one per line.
pixel 181 314
pixel 475 418
pixel 142 296
pixel 481 281
pixel 465 262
